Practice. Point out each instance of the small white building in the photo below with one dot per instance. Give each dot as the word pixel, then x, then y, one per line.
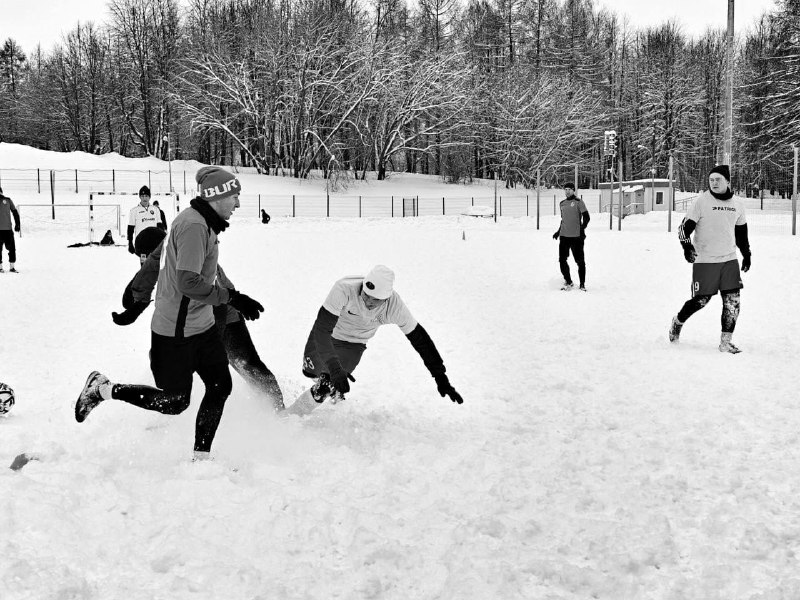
pixel 639 195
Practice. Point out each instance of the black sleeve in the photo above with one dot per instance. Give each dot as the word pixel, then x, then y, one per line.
pixel 740 231
pixel 585 219
pixel 322 332
pixel 16 217
pixel 425 347
pixel 131 229
pixel 685 230
pixel 163 224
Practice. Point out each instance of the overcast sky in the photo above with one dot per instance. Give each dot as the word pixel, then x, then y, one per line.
pixel 31 22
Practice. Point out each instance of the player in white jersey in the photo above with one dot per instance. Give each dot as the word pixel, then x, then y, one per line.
pixel 140 218
pixel 719 224
pixel 349 317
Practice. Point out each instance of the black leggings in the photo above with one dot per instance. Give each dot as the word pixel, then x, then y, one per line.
pixel 243 357
pixel 7 239
pixel 575 244
pixel 730 309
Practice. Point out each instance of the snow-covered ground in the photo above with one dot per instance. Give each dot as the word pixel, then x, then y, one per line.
pixel 590 459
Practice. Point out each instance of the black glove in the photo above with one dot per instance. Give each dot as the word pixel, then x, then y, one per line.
pixel 446 389
pixel 339 378
pixel 689 253
pixel 129 315
pixel 746 263
pixel 16 228
pixel 583 233
pixel 250 309
pixel 556 234
pixel 127 296
pixel 131 249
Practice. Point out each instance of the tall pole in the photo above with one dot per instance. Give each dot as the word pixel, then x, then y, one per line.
pixel 538 188
pixel 728 144
pixel 670 197
pixel 621 198
pixel 794 194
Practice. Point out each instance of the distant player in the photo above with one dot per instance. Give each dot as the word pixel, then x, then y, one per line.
pixel 571 233
pixel 141 217
pixel 719 225
pixel 7 210
pixel 349 317
pixel 163 224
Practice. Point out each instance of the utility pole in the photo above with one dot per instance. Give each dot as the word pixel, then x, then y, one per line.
pixel 728 126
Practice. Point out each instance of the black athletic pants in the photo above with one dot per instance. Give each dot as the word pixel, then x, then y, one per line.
pixel 730 309
pixel 7 240
pixel 243 357
pixel 565 244
pixel 174 362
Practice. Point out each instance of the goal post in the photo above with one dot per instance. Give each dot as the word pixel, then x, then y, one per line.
pixel 69 218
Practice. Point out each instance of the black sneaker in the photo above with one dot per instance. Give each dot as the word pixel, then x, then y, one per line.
pixel 567 286
pixel 90 396
pixel 321 389
pixel 13 270
pixel 582 288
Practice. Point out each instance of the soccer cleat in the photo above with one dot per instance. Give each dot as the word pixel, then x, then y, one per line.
pixel 567 286
pixel 582 288
pixel 726 345
pixel 90 396
pixel 675 330
pixel 13 270
pixel 321 389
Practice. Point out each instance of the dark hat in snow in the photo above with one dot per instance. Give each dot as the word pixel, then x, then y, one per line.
pixel 144 191
pixel 723 170
pixel 216 183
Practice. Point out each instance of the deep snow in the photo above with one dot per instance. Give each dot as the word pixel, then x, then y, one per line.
pixel 590 459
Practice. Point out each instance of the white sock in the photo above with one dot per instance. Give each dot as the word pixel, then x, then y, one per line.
pixel 105 390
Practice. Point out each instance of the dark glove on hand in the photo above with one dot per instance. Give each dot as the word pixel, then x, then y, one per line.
pixel 339 379
pixel 583 233
pixel 129 315
pixel 746 263
pixel 446 389
pixel 689 253
pixel 16 228
pixel 131 249
pixel 250 309
pixel 556 234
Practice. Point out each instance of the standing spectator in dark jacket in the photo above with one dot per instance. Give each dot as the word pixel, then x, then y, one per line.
pixel 571 233
pixel 184 338
pixel 163 224
pixel 719 225
pixel 7 210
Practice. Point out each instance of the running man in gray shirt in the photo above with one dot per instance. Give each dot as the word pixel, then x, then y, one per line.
pixel 572 233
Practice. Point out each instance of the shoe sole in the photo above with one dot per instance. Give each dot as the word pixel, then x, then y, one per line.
pixel 80 416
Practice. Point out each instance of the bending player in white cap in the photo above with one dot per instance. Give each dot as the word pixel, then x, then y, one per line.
pixel 349 317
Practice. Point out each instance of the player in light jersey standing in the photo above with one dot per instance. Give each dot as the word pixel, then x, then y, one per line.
pixel 719 224
pixel 349 317
pixel 140 218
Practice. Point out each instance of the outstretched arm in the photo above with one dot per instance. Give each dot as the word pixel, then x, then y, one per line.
pixel 425 347
pixel 685 230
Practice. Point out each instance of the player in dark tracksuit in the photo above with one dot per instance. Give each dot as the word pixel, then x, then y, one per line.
pixel 185 339
pixel 242 354
pixel 7 210
pixel 719 225
pixel 571 233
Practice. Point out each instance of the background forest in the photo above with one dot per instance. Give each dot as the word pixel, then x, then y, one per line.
pixel 461 89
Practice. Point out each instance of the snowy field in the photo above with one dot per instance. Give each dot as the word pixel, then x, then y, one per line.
pixel 590 459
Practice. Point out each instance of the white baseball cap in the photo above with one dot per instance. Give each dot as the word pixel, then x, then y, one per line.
pixel 379 282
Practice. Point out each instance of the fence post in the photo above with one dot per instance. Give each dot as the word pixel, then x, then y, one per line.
pixel 576 177
pixel 259 205
pixel 114 180
pixel 443 206
pixel 794 194
pixel 554 205
pixel 416 206
pixel 501 206
pixel 38 181
pixel 53 192
pixel 327 205
pixel 293 211
pixel 149 183
pixel 184 182
pixel 91 218
pixel 527 206
pixel 538 187
pixel 359 206
pixel 393 207
pixel 76 184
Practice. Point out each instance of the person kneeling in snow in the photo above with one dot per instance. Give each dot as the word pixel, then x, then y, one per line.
pixel 349 317
pixel 242 354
